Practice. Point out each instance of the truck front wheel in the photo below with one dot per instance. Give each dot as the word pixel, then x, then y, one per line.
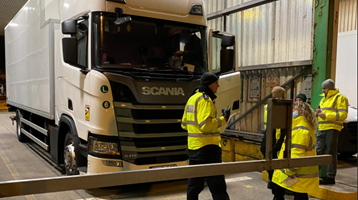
pixel 71 154
pixel 20 136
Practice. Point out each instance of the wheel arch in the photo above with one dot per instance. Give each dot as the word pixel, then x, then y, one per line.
pixel 66 124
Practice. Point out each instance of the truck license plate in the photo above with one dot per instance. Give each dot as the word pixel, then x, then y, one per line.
pixel 162 166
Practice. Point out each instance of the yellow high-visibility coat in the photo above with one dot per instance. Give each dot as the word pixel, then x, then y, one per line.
pixel 335 106
pixel 303 144
pixel 278 131
pixel 200 121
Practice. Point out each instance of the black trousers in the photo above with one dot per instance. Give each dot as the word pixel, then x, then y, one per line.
pixel 328 140
pixel 279 193
pixel 216 184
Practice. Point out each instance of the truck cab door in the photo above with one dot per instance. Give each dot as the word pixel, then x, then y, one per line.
pixel 223 62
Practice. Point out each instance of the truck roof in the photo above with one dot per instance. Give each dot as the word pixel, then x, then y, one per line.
pixel 174 10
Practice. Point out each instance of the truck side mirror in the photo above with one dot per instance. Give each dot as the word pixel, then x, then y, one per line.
pixel 69 27
pixel 227 40
pixel 69 50
pixel 227 56
pixel 226 60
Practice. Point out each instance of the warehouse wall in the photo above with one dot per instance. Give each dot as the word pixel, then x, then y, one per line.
pixel 273 33
pixel 347 15
pixel 276 32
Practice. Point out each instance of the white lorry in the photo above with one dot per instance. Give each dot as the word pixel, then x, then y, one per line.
pixel 346 82
pixel 101 85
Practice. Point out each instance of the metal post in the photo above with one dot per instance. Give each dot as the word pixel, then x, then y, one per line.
pixel 279 116
pixel 324 42
pixel 292 93
pixel 322 49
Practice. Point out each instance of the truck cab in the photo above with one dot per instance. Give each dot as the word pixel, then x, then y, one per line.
pixel 122 73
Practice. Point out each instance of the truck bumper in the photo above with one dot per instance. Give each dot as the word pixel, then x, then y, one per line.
pixel 100 165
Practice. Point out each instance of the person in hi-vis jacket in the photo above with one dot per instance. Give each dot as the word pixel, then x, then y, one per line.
pixel 203 126
pixel 331 113
pixel 299 180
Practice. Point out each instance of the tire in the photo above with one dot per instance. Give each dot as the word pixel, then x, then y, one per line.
pixel 71 154
pixel 20 136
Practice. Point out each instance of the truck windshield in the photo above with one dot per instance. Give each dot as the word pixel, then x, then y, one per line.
pixel 148 44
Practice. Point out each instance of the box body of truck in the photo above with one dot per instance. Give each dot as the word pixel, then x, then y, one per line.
pixel 98 84
pixel 346 82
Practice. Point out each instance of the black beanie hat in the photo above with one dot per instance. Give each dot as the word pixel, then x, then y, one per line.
pixel 208 78
pixel 302 96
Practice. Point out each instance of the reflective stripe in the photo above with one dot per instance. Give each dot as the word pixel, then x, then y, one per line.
pixel 335 110
pixel 203 134
pixel 191 122
pixel 299 146
pixel 292 169
pixel 301 175
pixel 306 175
pixel 310 147
pixel 183 123
pixel 190 109
pixel 206 121
pixel 219 122
pixel 196 109
pixel 331 109
pixel 329 122
pixel 337 116
pixel 300 127
pixel 335 101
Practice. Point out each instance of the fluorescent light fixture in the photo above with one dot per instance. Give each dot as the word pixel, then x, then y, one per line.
pixel 66 5
pixel 13 24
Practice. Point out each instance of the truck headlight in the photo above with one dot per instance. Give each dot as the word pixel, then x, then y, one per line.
pixel 102 147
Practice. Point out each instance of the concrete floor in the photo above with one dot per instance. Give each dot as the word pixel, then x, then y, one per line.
pixel 18 161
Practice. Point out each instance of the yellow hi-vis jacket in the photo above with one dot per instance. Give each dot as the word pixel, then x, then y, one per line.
pixel 335 106
pixel 278 131
pixel 303 144
pixel 200 121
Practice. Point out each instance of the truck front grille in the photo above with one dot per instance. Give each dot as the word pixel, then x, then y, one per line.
pixel 157 114
pixel 162 142
pixel 151 134
pixel 157 128
pixel 160 159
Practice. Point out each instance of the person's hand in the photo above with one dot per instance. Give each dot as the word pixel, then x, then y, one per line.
pixel 226 112
pixel 318 110
pixel 292 177
pixel 322 115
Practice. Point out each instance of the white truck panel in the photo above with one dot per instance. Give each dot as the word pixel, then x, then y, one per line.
pixel 346 73
pixel 29 62
pixel 49 11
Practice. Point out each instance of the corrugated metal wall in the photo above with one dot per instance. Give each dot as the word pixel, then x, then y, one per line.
pixel 276 32
pixel 254 122
pixel 347 15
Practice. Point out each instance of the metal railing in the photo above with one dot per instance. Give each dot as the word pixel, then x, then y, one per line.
pixel 290 83
pixel 57 184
